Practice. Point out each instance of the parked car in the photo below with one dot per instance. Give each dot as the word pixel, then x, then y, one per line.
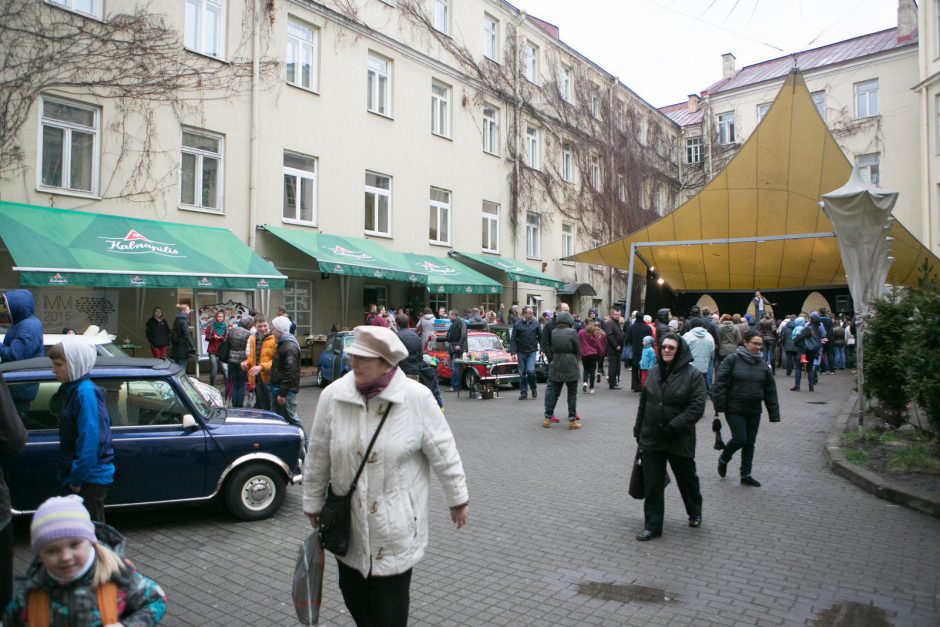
pixel 482 346
pixel 104 343
pixel 171 444
pixel 334 361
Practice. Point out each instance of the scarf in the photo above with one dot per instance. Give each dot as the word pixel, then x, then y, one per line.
pixel 374 388
pixel 218 328
pixel 85 568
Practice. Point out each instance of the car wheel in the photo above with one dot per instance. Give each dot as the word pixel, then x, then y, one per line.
pixel 469 378
pixel 321 382
pixel 255 491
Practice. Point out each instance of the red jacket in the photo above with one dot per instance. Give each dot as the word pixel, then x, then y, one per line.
pixel 595 344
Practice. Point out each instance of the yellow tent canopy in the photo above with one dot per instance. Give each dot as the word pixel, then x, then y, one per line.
pixel 768 193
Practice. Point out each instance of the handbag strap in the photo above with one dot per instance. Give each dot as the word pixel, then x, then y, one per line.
pixel 365 457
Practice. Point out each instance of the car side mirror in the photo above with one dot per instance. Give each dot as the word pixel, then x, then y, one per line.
pixel 189 422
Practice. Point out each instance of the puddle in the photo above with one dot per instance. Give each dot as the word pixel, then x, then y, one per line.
pixel 852 615
pixel 624 593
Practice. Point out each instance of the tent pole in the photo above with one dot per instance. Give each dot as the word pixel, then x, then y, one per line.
pixel 629 298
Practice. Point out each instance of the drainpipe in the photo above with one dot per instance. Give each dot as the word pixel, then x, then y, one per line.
pixel 255 121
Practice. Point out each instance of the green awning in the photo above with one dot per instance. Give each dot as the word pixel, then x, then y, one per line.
pixel 447 276
pixel 62 248
pixel 514 270
pixel 352 256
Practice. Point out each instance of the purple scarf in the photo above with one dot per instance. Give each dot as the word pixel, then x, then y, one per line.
pixel 372 389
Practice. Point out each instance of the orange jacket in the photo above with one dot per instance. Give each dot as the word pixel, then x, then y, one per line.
pixel 268 346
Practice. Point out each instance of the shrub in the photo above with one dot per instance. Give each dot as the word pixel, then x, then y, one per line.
pixel 922 350
pixel 885 362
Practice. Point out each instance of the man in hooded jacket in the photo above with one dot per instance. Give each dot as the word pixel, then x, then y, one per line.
pixel 22 341
pixel 672 401
pixel 662 326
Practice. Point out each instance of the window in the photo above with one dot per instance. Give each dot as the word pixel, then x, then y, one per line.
pixel 490 129
pixel 201 170
pixel 567 241
pixel 91 8
pixel 642 130
pixel 596 173
pixel 621 189
pixel 375 295
pixel 533 236
pixel 693 150
pixel 440 16
pixel 595 243
pixel 490 37
pixel 564 83
pixel 378 206
pixel 620 117
pixel 439 225
pixel 866 99
pixel 762 110
pixel 440 109
pixel 937 118
pixel 68 146
pixel 567 163
pixel 869 168
pixel 205 22
pixel 298 302
pixel 532 147
pixel 379 85
pixel 436 301
pixel 530 60
pixel 300 188
pixel 301 54
pixel 726 128
pixel 490 227
pixel 595 106
pixel 819 99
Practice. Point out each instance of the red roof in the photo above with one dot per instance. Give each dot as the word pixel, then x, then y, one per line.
pixel 679 113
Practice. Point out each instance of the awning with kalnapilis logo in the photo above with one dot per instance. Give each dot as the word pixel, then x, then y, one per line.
pixel 447 276
pixel 63 248
pixel 514 270
pixel 350 256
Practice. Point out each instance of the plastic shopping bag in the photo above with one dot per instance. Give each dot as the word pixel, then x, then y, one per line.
pixel 308 580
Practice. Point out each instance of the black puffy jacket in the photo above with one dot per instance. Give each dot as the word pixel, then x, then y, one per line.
pixel 744 382
pixel 670 406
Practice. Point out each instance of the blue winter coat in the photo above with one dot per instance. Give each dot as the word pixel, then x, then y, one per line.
pixel 86 454
pixel 23 340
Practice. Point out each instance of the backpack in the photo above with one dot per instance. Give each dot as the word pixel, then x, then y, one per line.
pixel 812 343
pixel 38 605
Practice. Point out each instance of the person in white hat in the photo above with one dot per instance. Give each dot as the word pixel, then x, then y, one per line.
pixel 285 372
pixel 390 500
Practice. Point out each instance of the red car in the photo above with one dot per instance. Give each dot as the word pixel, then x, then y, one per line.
pixel 484 347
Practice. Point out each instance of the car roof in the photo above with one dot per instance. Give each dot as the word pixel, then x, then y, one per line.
pixel 101 362
pixel 51 339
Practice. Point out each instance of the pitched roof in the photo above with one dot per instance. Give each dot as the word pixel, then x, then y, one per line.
pixel 680 114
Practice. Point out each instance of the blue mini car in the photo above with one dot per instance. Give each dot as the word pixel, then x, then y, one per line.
pixel 334 361
pixel 171 444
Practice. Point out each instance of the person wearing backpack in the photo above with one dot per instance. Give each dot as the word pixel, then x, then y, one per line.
pixel 729 338
pixel 79 575
pixel 787 336
pixel 809 342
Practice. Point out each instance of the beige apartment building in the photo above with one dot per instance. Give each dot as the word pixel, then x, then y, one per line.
pixel 927 91
pixel 455 130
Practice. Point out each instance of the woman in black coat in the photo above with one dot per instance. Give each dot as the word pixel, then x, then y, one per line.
pixel 744 381
pixel 672 401
pixel 158 334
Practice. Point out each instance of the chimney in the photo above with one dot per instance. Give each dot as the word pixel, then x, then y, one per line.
pixel 907 21
pixel 693 103
pixel 727 65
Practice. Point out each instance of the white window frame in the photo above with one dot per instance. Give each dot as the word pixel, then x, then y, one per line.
pixel 869 167
pixel 300 176
pixel 866 99
pixel 294 289
pixel 567 163
pixel 532 147
pixel 937 121
pixel 379 84
pixel 490 37
pixel 762 110
pixel 621 189
pixel 693 150
pixel 595 106
pixel 567 242
pixel 595 243
pixel 596 173
pixel 440 109
pixel 726 128
pixel 564 83
pixel 490 243
pixel 530 61
pixel 376 193
pixel 440 16
pixel 68 129
pixel 436 300
pixel 490 129
pixel 201 155
pixel 303 43
pixel 195 36
pixel 621 116
pixel 533 232
pixel 69 5
pixel 819 99
pixel 439 217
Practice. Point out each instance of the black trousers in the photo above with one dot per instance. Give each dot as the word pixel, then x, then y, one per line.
pixel 654 482
pixel 375 600
pixel 93 495
pixel 635 378
pixel 553 391
pixel 613 369
pixel 6 564
pixel 590 368
pixel 743 437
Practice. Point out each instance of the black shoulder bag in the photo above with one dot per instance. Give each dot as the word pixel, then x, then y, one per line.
pixel 336 515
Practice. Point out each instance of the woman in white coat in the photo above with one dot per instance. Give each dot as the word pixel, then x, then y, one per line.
pixel 390 504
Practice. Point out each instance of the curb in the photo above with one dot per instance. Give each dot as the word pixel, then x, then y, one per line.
pixel 868 480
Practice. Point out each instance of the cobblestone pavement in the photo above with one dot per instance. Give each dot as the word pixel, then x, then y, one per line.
pixel 551 533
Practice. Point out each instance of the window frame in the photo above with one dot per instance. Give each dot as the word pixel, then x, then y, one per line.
pixel 596 182
pixel 864 163
pixel 869 90
pixel 199 46
pixel 440 109
pixel 533 231
pixel 291 287
pixel 313 45
pixel 490 38
pixel 378 192
pixel 567 241
pixel 565 84
pixel 762 109
pixel 595 105
pixel 68 128
pixel 69 5
pixel 491 130
pixel 374 90
pixel 533 147
pixel 693 150
pixel 726 130
pixel 440 21
pixel 567 163
pixel 301 175
pixel 198 183
pixel 530 64
pixel 442 211
pixel 490 220
pixel 821 103
pixel 621 189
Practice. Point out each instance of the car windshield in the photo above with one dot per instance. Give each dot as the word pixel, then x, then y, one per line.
pixel 484 343
pixel 202 405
